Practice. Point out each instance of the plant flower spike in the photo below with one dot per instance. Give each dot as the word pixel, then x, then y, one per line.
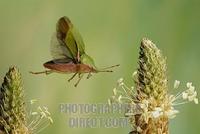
pixel 150 106
pixel 14 119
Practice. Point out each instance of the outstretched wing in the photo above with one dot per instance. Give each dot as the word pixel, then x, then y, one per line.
pixel 74 36
pixel 59 50
pixel 68 35
pixel 67 43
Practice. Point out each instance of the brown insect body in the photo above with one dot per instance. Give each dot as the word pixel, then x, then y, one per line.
pixel 69 67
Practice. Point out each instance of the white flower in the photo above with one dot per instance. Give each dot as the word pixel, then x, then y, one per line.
pixel 50 119
pixel 134 75
pixel 113 97
pixel 33 101
pixel 109 102
pixel 196 101
pixel 157 112
pixel 146 102
pixel 46 111
pixel 120 82
pixel 34 113
pixel 115 91
pixel 189 84
pixel 43 114
pixel 144 105
pixel 172 113
pixel 40 118
pixel 184 95
pixel 176 84
pixel 119 99
pixel 172 98
pixel 190 94
pixel 40 109
pixel 191 89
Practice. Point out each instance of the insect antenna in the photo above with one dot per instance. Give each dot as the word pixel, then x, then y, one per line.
pixel 105 69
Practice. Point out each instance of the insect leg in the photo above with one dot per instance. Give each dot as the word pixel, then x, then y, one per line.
pixel 80 77
pixel 45 72
pixel 78 56
pixel 72 77
pixel 89 75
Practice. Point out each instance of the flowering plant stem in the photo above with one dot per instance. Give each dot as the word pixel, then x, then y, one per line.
pixel 150 106
pixel 151 87
pixel 14 118
pixel 12 105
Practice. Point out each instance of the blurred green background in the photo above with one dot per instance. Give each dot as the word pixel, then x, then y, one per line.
pixel 112 31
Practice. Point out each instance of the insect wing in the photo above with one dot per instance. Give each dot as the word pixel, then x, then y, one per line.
pixel 63 26
pixel 68 35
pixel 86 59
pixel 59 50
pixel 71 44
pixel 79 40
pixel 75 42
